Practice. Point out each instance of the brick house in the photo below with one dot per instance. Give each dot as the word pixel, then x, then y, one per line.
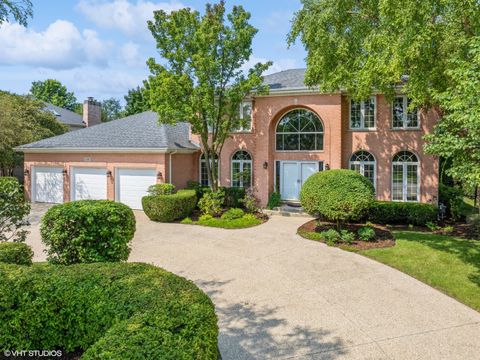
pixel 295 131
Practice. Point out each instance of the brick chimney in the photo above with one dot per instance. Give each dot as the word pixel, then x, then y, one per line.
pixel 92 112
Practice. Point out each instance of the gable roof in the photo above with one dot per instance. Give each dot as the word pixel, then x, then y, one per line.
pixel 65 116
pixel 293 79
pixel 136 132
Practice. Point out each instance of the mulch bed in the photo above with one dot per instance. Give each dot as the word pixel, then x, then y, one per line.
pixel 384 237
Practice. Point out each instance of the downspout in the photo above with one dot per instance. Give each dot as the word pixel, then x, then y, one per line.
pixel 170 166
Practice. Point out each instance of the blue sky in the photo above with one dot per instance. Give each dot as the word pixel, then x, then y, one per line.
pixel 98 47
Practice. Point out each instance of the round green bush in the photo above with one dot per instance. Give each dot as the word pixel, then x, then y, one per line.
pixel 167 208
pixel 337 195
pixel 106 311
pixel 16 253
pixel 88 231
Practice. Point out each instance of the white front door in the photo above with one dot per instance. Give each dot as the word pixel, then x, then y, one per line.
pixel 293 175
pixel 89 183
pixel 132 184
pixel 47 184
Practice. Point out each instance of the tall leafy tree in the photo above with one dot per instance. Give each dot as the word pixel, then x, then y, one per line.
pixel 54 92
pixel 137 100
pixel 203 81
pixel 457 136
pixel 19 10
pixel 111 109
pixel 425 46
pixel 23 120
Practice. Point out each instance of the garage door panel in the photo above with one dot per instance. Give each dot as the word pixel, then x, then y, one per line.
pixel 48 185
pixel 132 185
pixel 89 184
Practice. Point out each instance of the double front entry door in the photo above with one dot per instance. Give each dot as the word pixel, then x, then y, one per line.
pixel 293 175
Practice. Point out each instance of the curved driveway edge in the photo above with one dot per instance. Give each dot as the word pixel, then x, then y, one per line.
pixel 280 296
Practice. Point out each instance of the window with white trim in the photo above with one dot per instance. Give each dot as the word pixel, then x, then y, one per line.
pixel 241 169
pixel 405 177
pixel 363 162
pixel 245 113
pixel 299 130
pixel 203 170
pixel 402 116
pixel 363 114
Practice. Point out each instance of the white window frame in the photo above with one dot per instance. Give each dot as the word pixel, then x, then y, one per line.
pixel 362 115
pixel 362 167
pixel 201 160
pixel 404 165
pixel 241 162
pixel 405 115
pixel 322 133
pixel 249 127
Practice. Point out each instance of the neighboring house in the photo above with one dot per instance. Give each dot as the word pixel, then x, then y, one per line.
pixel 73 120
pixel 295 131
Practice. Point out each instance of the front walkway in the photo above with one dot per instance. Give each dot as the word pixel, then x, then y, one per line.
pixel 280 296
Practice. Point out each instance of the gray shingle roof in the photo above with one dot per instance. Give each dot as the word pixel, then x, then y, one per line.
pixel 140 131
pixel 65 116
pixel 287 79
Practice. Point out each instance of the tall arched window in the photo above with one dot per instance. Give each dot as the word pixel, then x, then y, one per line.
pixel 363 162
pixel 405 177
pixel 203 170
pixel 241 169
pixel 299 130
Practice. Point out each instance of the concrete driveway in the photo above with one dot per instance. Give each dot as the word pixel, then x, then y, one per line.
pixel 279 296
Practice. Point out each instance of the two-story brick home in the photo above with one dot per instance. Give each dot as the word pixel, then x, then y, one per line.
pixel 295 131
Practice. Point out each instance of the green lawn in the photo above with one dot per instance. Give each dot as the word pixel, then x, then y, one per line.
pixel 467 207
pixel 449 264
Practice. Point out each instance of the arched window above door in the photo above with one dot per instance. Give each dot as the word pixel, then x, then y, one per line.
pixel 299 130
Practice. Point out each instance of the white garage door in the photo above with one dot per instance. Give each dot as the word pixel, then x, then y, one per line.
pixel 132 185
pixel 47 184
pixel 89 183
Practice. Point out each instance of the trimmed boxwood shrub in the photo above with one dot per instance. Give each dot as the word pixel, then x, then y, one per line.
pixel 15 253
pixel 106 311
pixel 161 189
pixel 88 231
pixel 404 213
pixel 337 195
pixel 167 208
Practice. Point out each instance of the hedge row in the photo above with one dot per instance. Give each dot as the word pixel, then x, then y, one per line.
pixel 390 212
pixel 88 231
pixel 15 253
pixel 106 311
pixel 167 208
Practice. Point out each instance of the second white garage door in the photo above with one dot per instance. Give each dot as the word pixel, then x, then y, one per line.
pixel 89 183
pixel 132 184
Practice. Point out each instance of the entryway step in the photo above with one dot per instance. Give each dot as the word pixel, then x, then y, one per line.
pixel 287 210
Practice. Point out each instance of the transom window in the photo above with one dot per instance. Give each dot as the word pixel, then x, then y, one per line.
pixel 203 170
pixel 299 130
pixel 363 162
pixel 241 169
pixel 403 117
pixel 362 114
pixel 405 177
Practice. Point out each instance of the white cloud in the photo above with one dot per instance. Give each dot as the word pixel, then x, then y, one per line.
pixel 130 54
pixel 60 46
pixel 123 15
